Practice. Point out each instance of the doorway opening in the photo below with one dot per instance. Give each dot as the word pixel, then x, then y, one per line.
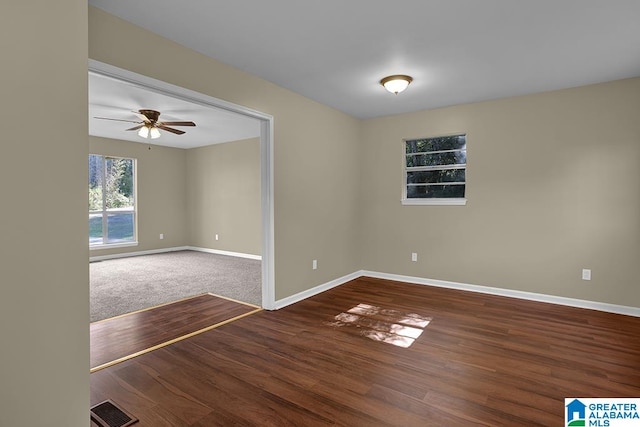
pixel 265 124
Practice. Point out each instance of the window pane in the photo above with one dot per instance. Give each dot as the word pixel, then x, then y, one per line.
pixel 435 191
pixel 119 183
pixel 436 167
pixel 455 142
pixel 95 182
pixel 95 229
pixel 437 159
pixel 120 227
pixel 111 200
pixel 426 177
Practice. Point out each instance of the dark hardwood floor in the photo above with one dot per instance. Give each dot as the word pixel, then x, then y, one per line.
pixel 122 336
pixel 381 353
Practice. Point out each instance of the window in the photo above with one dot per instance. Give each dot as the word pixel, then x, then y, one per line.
pixel 435 170
pixel 112 213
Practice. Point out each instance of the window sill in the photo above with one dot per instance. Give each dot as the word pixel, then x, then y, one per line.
pixel 434 202
pixel 113 246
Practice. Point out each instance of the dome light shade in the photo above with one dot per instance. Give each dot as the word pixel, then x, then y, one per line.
pixel 144 132
pixel 396 83
pixel 154 132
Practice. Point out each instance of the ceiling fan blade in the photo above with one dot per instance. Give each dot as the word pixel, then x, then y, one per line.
pixel 136 127
pixel 177 123
pixel 117 120
pixel 168 129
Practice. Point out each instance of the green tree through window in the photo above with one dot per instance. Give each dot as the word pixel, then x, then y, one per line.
pixel 111 200
pixel 435 168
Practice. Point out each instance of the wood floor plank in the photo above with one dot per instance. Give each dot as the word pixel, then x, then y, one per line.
pixel 482 360
pixel 116 338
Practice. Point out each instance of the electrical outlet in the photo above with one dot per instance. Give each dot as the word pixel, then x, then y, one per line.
pixel 586 274
pixel 217 237
pixel 161 236
pixel 414 256
pixel 314 264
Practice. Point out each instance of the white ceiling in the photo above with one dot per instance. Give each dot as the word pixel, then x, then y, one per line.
pixel 115 99
pixel 458 51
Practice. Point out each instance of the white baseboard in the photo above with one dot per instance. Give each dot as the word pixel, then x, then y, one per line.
pixel 314 291
pixel 130 254
pixel 572 302
pixel 173 249
pixel 219 252
pixel 552 299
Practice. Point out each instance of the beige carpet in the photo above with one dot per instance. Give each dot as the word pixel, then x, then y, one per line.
pixel 123 285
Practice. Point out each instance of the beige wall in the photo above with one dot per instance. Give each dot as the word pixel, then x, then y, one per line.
pixel 190 195
pixel 223 196
pixel 44 359
pixel 553 187
pixel 161 197
pixel 316 153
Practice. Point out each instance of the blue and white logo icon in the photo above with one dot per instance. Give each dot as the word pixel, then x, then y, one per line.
pixel 576 413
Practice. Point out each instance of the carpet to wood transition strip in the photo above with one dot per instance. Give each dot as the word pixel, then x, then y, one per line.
pixel 123 337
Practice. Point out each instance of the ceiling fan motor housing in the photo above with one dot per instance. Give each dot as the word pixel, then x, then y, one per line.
pixel 152 115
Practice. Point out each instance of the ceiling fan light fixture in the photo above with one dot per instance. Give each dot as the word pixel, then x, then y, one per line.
pixel 154 133
pixel 396 83
pixel 149 131
pixel 150 127
pixel 144 132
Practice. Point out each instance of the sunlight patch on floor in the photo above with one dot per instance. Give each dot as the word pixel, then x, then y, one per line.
pixel 384 325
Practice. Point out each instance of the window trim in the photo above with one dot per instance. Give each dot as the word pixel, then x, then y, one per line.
pixel 434 202
pixel 133 211
pixel 457 201
pixel 112 245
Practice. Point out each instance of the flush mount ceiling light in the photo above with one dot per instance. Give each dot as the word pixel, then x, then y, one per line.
pixel 396 83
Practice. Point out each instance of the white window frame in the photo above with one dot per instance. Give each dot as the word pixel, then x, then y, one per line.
pixel 449 201
pixel 105 211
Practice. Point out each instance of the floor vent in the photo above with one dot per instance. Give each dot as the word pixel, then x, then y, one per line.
pixel 108 414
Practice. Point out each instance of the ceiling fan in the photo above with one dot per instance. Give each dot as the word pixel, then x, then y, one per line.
pixel 149 126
